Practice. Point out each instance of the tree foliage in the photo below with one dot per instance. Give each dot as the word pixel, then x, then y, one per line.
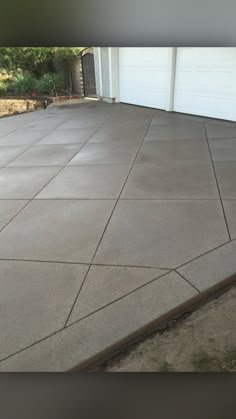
pixel 35 60
pixel 25 58
pixel 19 62
pixel 66 54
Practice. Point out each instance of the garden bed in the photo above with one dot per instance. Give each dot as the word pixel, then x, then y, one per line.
pixel 15 106
pixel 12 105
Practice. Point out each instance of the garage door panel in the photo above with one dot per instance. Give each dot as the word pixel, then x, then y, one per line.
pixel 205 82
pixel 143 57
pixel 210 57
pixel 144 76
pixel 205 106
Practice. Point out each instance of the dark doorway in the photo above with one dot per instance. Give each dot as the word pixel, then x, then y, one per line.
pixel 89 75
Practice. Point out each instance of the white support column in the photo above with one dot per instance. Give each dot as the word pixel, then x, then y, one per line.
pixel 100 71
pixel 171 79
pixel 113 54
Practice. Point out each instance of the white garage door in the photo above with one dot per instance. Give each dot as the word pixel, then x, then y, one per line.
pixel 144 76
pixel 205 82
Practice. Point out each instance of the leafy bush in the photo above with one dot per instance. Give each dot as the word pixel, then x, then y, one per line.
pixel 37 60
pixel 24 84
pixel 28 59
pixel 41 60
pixel 3 88
pixel 4 75
pixel 51 84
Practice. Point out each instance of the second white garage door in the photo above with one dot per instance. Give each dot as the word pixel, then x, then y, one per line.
pixel 205 82
pixel 144 76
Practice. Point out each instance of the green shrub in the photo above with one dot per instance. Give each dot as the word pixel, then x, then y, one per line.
pixel 3 88
pixel 51 84
pixel 23 84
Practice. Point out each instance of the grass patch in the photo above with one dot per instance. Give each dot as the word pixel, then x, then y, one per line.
pixel 166 367
pixel 230 359
pixel 203 362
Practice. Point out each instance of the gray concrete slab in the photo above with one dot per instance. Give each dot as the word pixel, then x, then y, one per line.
pixel 172 132
pixel 226 175
pixel 230 213
pixel 164 118
pixel 123 129
pixel 173 120
pixel 84 123
pixel 64 231
pixel 46 155
pixel 115 152
pixel 128 120
pixel 223 130
pixel 24 136
pixel 4 132
pixel 48 124
pixel 126 123
pixel 35 300
pixel 120 132
pixel 156 151
pixel 8 209
pixel 24 182
pixel 171 180
pixel 223 149
pixel 76 225
pixel 116 136
pixel 87 182
pixel 9 153
pixel 212 268
pixel 131 111
pixel 83 134
pixel 108 328
pixel 10 124
pixel 162 234
pixel 65 136
pixel 106 284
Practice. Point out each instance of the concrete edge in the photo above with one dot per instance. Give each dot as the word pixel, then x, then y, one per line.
pixel 24 360
pixel 160 323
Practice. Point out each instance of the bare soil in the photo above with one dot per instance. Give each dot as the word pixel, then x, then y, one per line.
pixel 16 106
pixel 204 341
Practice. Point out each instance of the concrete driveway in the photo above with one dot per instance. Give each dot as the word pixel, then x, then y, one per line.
pixel 113 219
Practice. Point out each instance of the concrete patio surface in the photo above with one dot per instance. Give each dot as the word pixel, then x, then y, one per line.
pixel 113 220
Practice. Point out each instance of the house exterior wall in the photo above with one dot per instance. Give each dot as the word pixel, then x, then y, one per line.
pixel 97 71
pixel 199 81
pixel 114 72
pixel 105 73
pixel 107 70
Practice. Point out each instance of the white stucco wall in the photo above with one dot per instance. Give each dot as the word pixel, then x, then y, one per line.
pixel 105 72
pixel 97 71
